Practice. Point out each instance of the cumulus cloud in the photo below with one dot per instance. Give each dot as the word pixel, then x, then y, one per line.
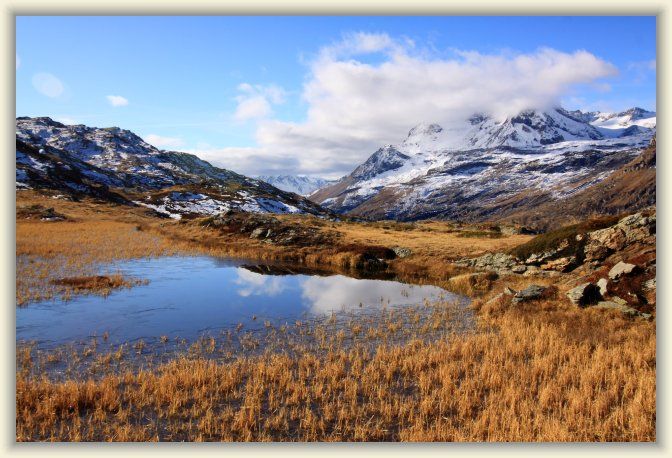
pixel 356 103
pixel 255 102
pixel 164 142
pixel 48 84
pixel 117 100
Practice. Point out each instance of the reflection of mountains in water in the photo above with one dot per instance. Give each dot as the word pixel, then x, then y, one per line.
pixel 290 269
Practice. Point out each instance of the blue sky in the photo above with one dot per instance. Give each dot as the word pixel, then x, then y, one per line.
pixel 262 94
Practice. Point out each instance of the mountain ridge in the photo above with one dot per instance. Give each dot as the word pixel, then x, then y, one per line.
pixel 116 164
pixel 457 172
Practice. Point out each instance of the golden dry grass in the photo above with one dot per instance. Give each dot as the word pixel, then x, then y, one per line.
pixel 527 379
pixel 428 239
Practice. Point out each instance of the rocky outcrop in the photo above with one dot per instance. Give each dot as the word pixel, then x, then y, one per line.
pixel 636 228
pixel 271 230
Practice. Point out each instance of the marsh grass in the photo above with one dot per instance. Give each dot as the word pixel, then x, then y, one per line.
pixel 525 379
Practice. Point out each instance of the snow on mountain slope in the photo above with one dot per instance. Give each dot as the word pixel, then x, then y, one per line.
pixel 299 184
pixel 117 165
pixel 459 171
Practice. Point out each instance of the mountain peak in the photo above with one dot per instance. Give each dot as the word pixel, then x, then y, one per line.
pixel 425 129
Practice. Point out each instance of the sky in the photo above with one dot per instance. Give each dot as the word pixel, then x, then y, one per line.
pixel 318 95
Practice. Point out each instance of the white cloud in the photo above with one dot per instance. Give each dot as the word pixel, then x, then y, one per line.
pixel 48 84
pixel 163 142
pixel 117 100
pixel 254 102
pixel 357 104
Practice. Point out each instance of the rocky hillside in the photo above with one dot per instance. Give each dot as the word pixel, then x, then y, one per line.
pixel 488 169
pixel 607 263
pixel 115 164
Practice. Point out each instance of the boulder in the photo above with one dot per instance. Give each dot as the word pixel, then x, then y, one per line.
pixel 602 284
pixel 621 269
pixel 584 294
pixel 509 291
pixel 530 293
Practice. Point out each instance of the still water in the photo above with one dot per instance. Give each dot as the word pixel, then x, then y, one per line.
pixel 188 297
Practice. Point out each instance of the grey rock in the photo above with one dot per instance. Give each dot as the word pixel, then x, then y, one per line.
pixel 621 269
pixel 518 269
pixel 584 294
pixel 530 293
pixel 602 284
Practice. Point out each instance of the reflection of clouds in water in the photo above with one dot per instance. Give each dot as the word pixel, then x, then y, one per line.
pixel 324 294
pixel 258 284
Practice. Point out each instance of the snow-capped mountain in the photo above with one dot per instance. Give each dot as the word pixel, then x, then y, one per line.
pixel 116 164
pixel 474 169
pixel 299 184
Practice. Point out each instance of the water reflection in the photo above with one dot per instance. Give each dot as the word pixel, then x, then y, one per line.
pixel 260 285
pixel 187 296
pixel 326 294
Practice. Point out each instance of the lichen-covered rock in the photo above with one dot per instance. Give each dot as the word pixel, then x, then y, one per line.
pixel 602 283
